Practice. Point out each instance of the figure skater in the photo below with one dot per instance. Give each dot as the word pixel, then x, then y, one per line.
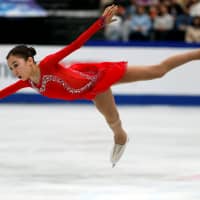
pixel 86 80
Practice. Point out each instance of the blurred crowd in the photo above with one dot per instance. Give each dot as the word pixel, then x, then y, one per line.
pixel 155 20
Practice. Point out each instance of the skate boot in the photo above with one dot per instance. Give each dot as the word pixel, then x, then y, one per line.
pixel 117 152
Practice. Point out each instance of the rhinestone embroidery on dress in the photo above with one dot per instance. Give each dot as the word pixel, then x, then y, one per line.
pixel 52 78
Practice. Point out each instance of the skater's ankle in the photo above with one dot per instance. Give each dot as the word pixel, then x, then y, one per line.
pixel 120 138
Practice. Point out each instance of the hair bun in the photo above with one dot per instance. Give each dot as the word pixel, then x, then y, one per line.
pixel 22 51
pixel 32 51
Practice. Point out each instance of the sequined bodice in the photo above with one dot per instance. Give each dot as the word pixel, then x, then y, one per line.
pixel 92 79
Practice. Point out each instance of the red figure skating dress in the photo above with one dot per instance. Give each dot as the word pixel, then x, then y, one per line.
pixel 78 81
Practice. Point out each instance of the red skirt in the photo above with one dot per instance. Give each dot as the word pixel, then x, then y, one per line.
pixel 106 73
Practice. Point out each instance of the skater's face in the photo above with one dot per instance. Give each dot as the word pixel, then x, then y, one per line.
pixel 20 67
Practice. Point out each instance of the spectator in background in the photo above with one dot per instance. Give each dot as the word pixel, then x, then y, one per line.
pixel 153 12
pixel 163 24
pixel 131 9
pixel 194 8
pixel 182 22
pixel 175 8
pixel 114 31
pixel 193 31
pixel 165 3
pixel 139 25
pixel 146 2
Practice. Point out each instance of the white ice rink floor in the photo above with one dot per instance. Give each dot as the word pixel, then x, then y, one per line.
pixel 61 152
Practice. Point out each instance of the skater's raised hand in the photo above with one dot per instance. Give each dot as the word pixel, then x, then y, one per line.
pixel 109 12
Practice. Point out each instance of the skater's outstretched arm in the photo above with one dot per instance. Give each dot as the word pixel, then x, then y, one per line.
pixel 106 18
pixel 139 73
pixel 13 88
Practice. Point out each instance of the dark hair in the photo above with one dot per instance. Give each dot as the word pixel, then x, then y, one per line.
pixel 22 51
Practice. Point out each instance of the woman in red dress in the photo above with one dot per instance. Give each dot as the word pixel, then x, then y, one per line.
pixel 86 80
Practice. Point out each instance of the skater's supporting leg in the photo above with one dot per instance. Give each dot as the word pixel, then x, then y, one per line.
pixel 105 103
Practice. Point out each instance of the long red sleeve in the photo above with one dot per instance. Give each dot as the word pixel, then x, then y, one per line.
pixel 52 60
pixel 13 88
pixel 83 38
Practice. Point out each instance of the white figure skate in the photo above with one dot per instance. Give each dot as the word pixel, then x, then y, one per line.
pixel 117 152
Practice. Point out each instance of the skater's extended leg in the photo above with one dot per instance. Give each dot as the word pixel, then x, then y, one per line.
pixel 139 73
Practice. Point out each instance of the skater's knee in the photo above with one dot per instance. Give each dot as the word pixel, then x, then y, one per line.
pixel 160 74
pixel 159 71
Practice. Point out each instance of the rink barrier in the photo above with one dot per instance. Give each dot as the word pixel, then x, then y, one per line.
pixel 171 100
pixel 143 98
pixel 151 44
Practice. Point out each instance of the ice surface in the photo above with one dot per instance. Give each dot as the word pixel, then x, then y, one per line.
pixel 61 152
